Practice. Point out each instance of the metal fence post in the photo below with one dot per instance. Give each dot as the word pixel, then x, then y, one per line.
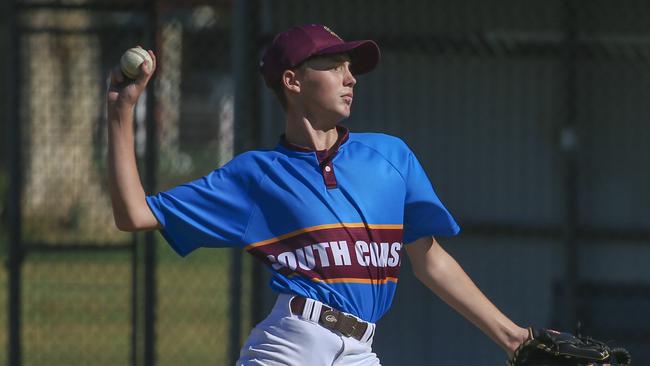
pixel 239 38
pixel 244 67
pixel 15 253
pixel 135 290
pixel 151 158
pixel 260 294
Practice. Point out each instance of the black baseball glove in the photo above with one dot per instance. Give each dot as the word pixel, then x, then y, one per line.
pixel 547 347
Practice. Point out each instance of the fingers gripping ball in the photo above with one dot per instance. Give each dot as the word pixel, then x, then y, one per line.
pixel 131 61
pixel 547 347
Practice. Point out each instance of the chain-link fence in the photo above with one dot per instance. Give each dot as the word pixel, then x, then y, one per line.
pixel 530 118
pixel 89 294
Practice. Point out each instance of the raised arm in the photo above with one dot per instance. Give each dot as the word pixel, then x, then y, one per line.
pixel 437 270
pixel 130 209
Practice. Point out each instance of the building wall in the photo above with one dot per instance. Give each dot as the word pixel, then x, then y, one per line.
pixel 482 92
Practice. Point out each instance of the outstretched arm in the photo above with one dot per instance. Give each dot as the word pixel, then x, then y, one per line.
pixel 437 270
pixel 130 209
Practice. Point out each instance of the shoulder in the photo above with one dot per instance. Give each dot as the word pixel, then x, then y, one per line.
pixel 376 138
pixel 252 158
pixel 249 166
pixel 391 147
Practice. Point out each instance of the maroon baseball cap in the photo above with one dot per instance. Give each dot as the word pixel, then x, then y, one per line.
pixel 292 47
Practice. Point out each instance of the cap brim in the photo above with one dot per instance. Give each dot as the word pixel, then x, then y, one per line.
pixel 364 54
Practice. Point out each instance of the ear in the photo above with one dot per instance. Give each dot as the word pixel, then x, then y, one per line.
pixel 290 81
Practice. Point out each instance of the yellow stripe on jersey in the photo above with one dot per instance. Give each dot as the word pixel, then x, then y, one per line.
pixel 356 280
pixel 322 227
pixel 350 280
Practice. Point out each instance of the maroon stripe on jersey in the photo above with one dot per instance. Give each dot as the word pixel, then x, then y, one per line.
pixel 336 254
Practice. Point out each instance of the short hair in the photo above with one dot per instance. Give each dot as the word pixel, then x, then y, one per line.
pixel 278 90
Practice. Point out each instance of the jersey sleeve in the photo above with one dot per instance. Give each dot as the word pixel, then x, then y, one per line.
pixel 212 211
pixel 424 213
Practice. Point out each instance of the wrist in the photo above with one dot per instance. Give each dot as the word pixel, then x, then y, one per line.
pixel 516 337
pixel 120 111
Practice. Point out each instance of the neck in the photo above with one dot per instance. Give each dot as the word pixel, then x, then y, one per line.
pixel 303 131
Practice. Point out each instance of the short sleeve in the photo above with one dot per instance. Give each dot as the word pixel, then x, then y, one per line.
pixel 212 211
pixel 424 213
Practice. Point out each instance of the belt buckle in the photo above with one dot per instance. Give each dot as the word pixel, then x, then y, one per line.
pixel 330 318
pixel 341 322
pixel 347 325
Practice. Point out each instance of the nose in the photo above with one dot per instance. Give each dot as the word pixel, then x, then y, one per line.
pixel 349 79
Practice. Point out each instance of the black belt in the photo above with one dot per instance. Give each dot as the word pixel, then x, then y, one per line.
pixel 333 319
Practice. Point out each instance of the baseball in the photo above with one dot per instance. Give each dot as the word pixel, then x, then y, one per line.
pixel 131 61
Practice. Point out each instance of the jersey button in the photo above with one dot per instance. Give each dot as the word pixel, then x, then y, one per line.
pixel 328 169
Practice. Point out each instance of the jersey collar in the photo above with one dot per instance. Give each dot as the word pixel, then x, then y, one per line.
pixel 323 155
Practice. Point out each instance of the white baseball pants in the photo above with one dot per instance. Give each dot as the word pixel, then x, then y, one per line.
pixel 286 339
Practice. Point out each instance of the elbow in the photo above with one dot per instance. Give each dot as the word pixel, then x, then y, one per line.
pixel 126 222
pixel 123 224
pixel 421 274
pixel 135 221
pixel 428 277
pixel 133 215
pixel 431 271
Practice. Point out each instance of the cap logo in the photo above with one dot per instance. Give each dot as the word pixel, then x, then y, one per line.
pixel 332 33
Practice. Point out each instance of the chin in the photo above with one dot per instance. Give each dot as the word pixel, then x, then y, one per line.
pixel 345 112
pixel 343 116
pixel 337 113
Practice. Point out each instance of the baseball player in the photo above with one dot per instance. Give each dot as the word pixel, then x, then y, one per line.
pixel 330 212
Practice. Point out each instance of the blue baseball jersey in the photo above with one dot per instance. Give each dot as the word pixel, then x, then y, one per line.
pixel 329 224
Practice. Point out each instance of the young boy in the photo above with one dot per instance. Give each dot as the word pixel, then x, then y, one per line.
pixel 327 210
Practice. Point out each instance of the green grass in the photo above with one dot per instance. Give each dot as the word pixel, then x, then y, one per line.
pixel 76 308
